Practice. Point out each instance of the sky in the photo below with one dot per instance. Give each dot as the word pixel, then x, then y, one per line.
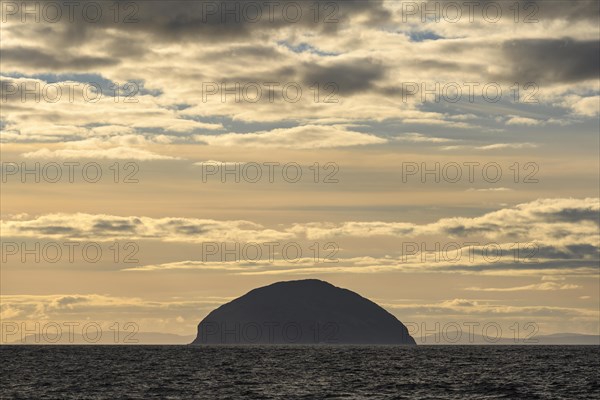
pixel 160 158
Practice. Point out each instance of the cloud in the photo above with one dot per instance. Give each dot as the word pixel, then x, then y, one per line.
pixel 187 265
pixel 545 286
pixel 114 147
pixel 469 308
pixel 320 230
pixel 578 11
pixel 110 227
pixel 115 153
pixel 366 53
pixel 554 220
pixel 301 137
pixel 544 219
pixel 477 266
pixel 551 61
pixel 546 11
pixel 349 76
pixel 102 308
pixel 495 146
pixel 48 108
pixel 543 235
pixel 516 120
pixel 38 58
pixel 584 106
pixel 420 138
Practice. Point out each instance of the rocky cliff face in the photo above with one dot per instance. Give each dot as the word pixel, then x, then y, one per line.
pixel 301 312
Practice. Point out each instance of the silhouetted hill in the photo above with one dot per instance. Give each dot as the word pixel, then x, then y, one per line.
pixel 301 312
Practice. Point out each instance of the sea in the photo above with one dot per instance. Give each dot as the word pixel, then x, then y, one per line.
pixel 299 372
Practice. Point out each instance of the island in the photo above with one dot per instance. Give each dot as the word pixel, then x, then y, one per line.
pixel 306 311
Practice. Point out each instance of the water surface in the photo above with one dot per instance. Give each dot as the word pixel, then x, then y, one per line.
pixel 300 372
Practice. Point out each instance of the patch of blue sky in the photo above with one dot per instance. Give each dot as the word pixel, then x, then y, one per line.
pixel 422 36
pixel 134 87
pixel 305 47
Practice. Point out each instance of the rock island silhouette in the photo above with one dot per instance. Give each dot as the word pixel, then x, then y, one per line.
pixel 307 311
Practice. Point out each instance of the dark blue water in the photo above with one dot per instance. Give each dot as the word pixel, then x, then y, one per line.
pixel 317 372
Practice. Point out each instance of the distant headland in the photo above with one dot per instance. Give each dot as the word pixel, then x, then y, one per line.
pixel 307 311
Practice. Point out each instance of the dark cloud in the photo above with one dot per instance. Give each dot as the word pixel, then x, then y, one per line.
pixel 69 300
pixel 547 10
pixel 106 227
pixel 350 76
pixel 533 254
pixel 572 215
pixel 549 61
pixel 445 66
pixel 43 60
pixel 462 230
pixel 242 53
pixel 569 252
pixel 235 18
pixel 190 230
pixel 535 10
pixel 222 20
